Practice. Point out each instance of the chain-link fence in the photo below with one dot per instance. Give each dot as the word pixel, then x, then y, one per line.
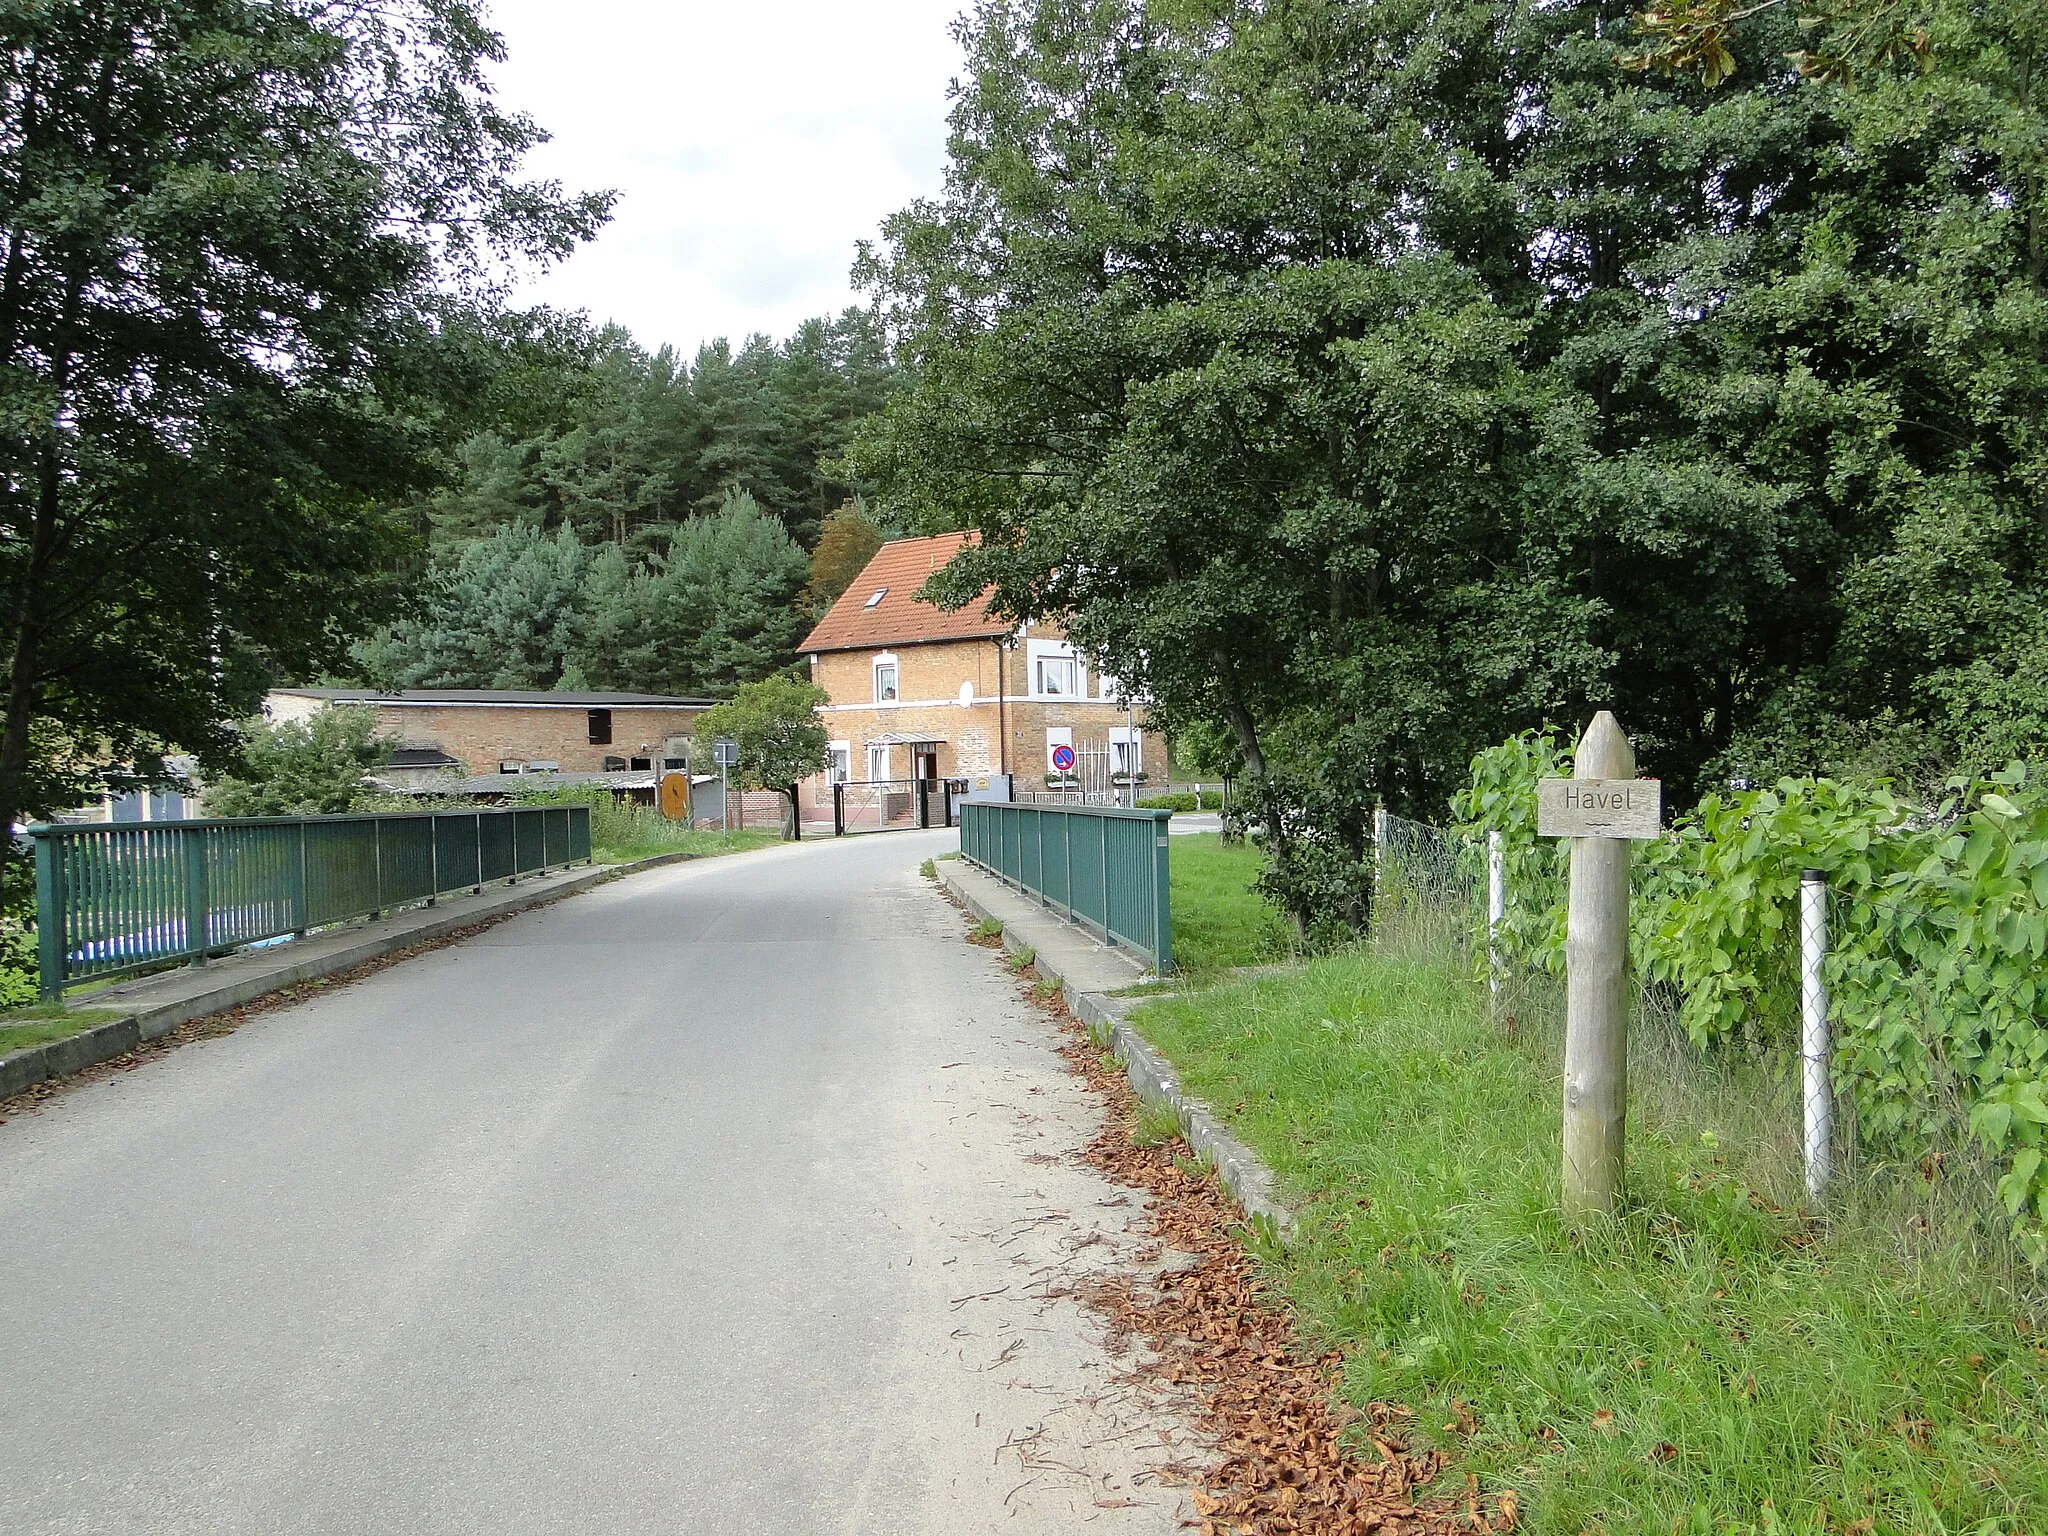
pixel 1767 1101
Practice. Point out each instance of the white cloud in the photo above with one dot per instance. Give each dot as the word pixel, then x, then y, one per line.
pixel 752 145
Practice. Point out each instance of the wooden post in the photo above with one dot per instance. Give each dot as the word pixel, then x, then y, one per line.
pixel 1596 1020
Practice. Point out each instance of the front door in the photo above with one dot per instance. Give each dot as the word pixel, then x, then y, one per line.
pixel 925 762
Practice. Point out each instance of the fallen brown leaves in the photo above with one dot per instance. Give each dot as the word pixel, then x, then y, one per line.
pixel 1270 1407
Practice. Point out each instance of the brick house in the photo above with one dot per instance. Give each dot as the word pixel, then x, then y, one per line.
pixel 451 733
pixel 920 693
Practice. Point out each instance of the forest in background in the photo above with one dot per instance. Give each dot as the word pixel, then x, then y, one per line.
pixel 616 518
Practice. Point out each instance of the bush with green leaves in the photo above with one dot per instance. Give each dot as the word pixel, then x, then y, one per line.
pixel 315 767
pixel 1937 967
pixel 1175 803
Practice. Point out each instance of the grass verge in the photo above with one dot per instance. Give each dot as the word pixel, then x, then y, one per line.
pixel 680 839
pixel 40 1024
pixel 1219 921
pixel 1706 1364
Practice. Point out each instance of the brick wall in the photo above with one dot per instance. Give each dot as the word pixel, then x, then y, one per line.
pixel 482 736
pixel 929 679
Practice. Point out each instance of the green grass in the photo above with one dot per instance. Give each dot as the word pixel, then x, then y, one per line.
pixel 621 831
pixel 673 837
pixel 1218 920
pixel 41 1023
pixel 1705 1364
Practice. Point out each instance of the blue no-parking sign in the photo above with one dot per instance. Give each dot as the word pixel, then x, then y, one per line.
pixel 1063 758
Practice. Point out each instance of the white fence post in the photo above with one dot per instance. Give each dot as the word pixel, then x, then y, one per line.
pixel 1813 1044
pixel 1496 913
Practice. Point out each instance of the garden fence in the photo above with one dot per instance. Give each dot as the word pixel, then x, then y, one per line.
pixel 114 899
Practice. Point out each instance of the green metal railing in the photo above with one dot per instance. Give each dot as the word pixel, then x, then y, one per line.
pixel 1104 868
pixel 111 899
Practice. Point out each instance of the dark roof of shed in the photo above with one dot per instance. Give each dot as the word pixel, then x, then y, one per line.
pixel 898 569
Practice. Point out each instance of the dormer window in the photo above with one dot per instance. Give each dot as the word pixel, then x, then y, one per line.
pixel 875 597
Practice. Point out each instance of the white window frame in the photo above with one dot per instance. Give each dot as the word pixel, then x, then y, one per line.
pixel 879 753
pixel 838 762
pixel 888 659
pixel 1126 749
pixel 1038 651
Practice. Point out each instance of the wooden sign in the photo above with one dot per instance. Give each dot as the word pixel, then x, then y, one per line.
pixel 1621 808
pixel 675 796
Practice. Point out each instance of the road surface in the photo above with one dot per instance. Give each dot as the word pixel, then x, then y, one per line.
pixel 735 1197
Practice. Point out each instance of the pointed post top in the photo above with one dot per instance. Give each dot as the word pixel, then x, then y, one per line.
pixel 1604 753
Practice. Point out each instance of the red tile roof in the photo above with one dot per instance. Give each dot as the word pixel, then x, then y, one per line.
pixel 898 569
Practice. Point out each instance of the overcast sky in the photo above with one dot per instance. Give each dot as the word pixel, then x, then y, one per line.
pixel 751 143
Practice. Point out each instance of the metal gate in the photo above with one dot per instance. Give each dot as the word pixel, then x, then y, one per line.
pixel 895 805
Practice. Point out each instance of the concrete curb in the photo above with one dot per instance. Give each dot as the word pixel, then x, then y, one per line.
pixel 103 1042
pixel 1151 1076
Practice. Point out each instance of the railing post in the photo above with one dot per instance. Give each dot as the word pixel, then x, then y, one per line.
pixel 51 945
pixel 512 819
pixel 434 856
pixel 839 810
pixel 193 845
pixel 301 907
pixel 1102 828
pixel 478 888
pixel 1162 899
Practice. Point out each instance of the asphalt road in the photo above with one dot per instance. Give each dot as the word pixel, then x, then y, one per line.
pixel 734 1197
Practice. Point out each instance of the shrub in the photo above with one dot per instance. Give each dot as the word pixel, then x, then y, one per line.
pixel 1167 803
pixel 1938 920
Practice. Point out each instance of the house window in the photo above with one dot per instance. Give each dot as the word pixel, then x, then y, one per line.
pixel 600 727
pixel 875 597
pixel 1126 750
pixel 674 764
pixel 642 764
pixel 885 681
pixel 838 762
pixel 878 764
pixel 1057 676
pixel 614 764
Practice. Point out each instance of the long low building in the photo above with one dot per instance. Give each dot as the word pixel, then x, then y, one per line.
pixel 444 734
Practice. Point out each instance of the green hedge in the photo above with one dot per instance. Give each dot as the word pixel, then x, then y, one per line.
pixel 1206 800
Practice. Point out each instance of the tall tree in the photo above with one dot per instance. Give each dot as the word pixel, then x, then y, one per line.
pixel 775 724
pixel 230 226
pixel 1374 380
pixel 846 543
pixel 725 598
pixel 504 612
